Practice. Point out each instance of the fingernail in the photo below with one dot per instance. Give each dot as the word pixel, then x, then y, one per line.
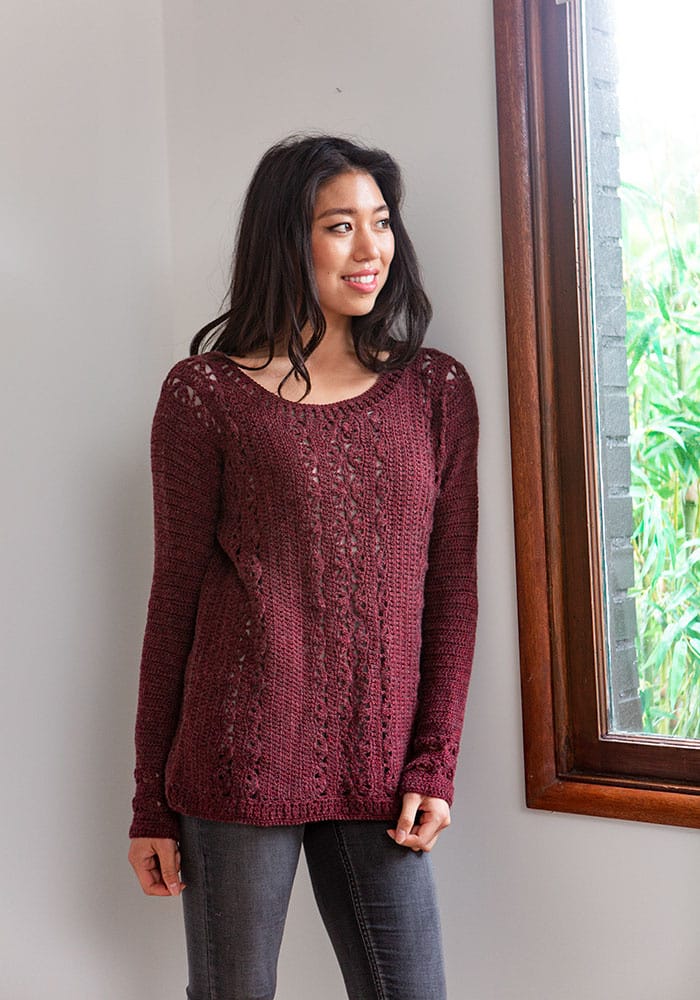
pixel 401 836
pixel 173 888
pixel 391 833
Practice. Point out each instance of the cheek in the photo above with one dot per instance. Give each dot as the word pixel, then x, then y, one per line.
pixel 324 258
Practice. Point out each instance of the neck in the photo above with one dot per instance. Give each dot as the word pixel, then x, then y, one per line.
pixel 337 343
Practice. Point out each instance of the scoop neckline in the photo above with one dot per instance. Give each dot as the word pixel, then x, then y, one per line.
pixel 380 388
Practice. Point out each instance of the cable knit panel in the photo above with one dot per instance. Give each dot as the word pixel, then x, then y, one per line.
pixel 310 628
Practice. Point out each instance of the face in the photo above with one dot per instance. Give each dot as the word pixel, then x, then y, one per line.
pixel 352 246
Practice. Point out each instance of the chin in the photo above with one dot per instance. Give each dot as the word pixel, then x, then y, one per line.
pixel 350 309
pixel 363 308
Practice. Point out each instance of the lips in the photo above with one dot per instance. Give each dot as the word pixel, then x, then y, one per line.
pixel 363 281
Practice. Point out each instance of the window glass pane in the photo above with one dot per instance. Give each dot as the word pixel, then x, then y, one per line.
pixel 642 125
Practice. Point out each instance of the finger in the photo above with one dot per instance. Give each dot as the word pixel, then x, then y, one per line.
pixel 431 843
pixel 426 836
pixel 410 842
pixel 149 875
pixel 169 860
pixel 157 885
pixel 430 827
pixel 145 858
pixel 423 835
pixel 408 819
pixel 428 842
pixel 392 832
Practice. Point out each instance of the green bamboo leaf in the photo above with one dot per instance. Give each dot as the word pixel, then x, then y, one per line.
pixel 626 188
pixel 677 261
pixel 659 713
pixel 694 631
pixel 668 430
pixel 639 350
pixel 693 331
pixel 678 663
pixel 678 422
pixel 650 559
pixel 671 633
pixel 685 593
pixel 658 294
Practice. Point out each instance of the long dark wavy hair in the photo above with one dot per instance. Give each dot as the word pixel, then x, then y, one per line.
pixel 273 292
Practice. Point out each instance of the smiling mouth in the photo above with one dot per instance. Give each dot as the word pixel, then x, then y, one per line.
pixel 361 282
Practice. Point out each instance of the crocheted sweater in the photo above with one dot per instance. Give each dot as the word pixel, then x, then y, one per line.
pixel 311 622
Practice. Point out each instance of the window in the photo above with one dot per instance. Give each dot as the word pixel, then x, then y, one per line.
pixel 609 623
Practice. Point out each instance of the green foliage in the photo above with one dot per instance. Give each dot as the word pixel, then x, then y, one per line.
pixel 662 290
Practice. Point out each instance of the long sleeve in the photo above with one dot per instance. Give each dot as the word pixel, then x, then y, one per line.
pixel 451 604
pixel 186 466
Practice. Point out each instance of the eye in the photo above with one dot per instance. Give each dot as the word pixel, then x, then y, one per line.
pixel 384 223
pixel 337 229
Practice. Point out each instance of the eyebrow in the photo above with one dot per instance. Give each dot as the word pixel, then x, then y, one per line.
pixel 349 211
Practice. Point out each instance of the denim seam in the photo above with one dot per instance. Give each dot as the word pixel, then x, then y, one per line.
pixel 207 897
pixel 357 906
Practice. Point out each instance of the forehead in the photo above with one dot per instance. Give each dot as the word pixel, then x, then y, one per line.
pixel 347 190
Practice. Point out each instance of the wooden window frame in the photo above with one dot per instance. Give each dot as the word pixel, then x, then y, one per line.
pixel 572 763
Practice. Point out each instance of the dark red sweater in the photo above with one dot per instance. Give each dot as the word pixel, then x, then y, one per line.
pixel 311 622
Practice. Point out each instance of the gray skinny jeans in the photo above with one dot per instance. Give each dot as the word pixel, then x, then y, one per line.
pixel 377 900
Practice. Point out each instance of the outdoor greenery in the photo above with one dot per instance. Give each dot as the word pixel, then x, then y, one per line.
pixel 661 252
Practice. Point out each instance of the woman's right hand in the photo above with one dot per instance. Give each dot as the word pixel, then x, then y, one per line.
pixel 156 862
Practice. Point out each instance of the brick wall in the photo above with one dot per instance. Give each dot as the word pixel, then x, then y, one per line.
pixel 610 361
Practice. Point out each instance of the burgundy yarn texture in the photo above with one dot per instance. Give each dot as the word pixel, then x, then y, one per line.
pixel 310 628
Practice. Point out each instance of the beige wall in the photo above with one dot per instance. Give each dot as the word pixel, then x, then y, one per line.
pixel 118 251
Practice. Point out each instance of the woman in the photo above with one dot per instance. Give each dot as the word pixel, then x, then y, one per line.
pixel 311 623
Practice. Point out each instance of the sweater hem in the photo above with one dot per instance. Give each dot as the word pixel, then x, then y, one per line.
pixel 292 813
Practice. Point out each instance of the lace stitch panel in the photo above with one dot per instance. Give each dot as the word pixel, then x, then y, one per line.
pixel 315 642
pixel 242 665
pixel 185 391
pixel 380 534
pixel 248 672
pixel 337 531
pixel 346 531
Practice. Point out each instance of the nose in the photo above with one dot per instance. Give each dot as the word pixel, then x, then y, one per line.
pixel 365 246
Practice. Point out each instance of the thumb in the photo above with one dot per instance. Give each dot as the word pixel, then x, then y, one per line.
pixel 407 818
pixel 169 860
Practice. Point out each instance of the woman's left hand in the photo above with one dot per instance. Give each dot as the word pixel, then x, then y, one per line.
pixel 423 835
